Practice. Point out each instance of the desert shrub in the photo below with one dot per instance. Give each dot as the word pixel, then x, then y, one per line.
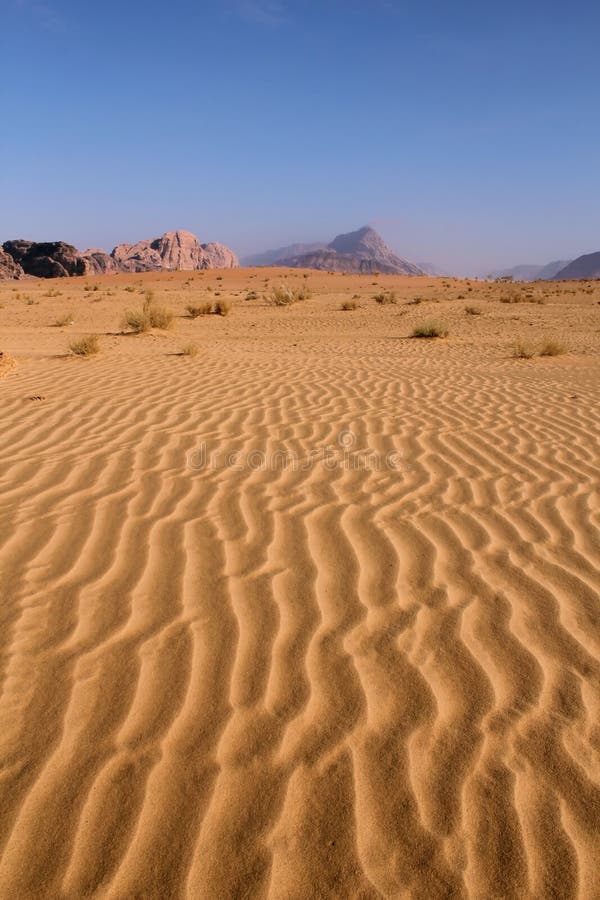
pixel 552 348
pixel 149 316
pixel 53 292
pixel 251 295
pixel 429 330
pixel 85 346
pixel 349 304
pixel 386 298
pixel 64 320
pixel 129 288
pixel 222 308
pixel 285 295
pixel 189 350
pixel 203 309
pixel 521 350
pixel 473 310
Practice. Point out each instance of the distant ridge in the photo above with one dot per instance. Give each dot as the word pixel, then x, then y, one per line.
pixel 272 257
pixel 356 251
pixel 532 272
pixel 586 266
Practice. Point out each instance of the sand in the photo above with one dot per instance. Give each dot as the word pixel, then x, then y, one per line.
pixel 301 672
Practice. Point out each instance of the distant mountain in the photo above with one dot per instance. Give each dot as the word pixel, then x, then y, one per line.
pixel 357 251
pixel 586 266
pixel 272 257
pixel 532 272
pixel 432 269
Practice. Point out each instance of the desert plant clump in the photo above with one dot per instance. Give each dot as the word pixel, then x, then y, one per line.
pixel 552 348
pixel 85 346
pixel 202 309
pixel 521 350
pixel 189 350
pixel 473 310
pixel 429 330
pixel 285 295
pixel 64 320
pixel 222 308
pixel 53 292
pixel 149 316
pixel 349 305
pixel 251 295
pixel 386 298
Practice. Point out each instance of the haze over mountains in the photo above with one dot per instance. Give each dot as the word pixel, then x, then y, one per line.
pixel 586 266
pixel 363 250
pixel 532 272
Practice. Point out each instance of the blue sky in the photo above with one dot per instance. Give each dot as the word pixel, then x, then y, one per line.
pixel 467 133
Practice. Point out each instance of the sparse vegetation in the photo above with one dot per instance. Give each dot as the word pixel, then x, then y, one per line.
pixel 189 350
pixel 285 295
pixel 473 310
pixel 222 308
pixel 386 298
pixel 429 330
pixel 149 316
pixel 202 309
pixel 85 346
pixel 64 320
pixel 349 305
pixel 53 292
pixel 522 350
pixel 552 348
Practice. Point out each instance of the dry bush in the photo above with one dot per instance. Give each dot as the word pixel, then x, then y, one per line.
pixel 552 348
pixel 386 298
pixel 285 295
pixel 222 308
pixel 64 320
pixel 521 350
pixel 85 346
pixel 349 304
pixel 149 316
pixel 429 330
pixel 189 350
pixel 203 309
pixel 473 310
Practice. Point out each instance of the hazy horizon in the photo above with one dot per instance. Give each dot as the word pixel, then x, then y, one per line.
pixel 465 136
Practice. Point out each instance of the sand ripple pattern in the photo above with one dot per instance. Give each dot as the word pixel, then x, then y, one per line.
pixel 306 682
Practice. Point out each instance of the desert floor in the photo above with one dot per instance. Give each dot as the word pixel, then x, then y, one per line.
pixel 357 658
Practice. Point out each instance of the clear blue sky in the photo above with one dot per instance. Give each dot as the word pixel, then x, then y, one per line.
pixel 468 133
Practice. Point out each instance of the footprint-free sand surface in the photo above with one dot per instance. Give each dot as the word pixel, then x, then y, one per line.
pixel 311 614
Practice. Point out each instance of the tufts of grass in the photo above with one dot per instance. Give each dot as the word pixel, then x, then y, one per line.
pixel 85 346
pixel 429 330
pixel 552 348
pixel 149 316
pixel 129 288
pixel 285 295
pixel 53 292
pixel 189 350
pixel 473 310
pixel 349 304
pixel 222 308
pixel 385 299
pixel 251 295
pixel 64 320
pixel 521 350
pixel 203 309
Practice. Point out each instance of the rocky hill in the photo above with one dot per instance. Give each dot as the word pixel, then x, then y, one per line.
pixel 357 251
pixel 174 250
pixel 273 257
pixel 586 266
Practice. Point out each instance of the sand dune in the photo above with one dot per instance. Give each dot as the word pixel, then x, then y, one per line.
pixel 318 679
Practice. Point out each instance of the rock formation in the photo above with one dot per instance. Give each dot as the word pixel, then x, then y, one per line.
pixel 9 268
pixel 53 259
pixel 357 251
pixel 174 250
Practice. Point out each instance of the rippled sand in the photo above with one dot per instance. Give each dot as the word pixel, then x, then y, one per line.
pixel 357 660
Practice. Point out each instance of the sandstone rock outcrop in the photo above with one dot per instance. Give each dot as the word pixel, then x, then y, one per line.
pixel 53 259
pixel 99 262
pixel 9 268
pixel 357 251
pixel 174 250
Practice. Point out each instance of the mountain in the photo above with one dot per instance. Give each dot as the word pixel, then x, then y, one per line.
pixel 586 266
pixel 532 272
pixel 432 269
pixel 357 251
pixel 272 257
pixel 55 259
